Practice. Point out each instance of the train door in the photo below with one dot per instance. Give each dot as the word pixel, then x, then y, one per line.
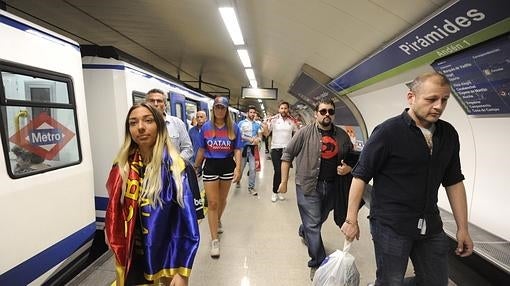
pixel 47 172
pixel 203 106
pixel 178 105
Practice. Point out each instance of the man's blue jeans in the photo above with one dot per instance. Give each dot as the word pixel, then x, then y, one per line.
pixel 250 157
pixel 429 255
pixel 314 208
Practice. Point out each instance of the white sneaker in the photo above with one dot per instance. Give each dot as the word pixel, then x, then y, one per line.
pixel 274 198
pixel 215 248
pixel 281 197
pixel 220 227
pixel 238 185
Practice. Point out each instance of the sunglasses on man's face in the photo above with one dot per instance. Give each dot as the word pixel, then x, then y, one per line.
pixel 329 111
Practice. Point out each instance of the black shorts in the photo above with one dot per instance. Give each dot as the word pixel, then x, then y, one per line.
pixel 218 169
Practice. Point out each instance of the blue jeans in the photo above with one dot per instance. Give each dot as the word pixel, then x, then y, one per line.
pixel 250 157
pixel 429 255
pixel 314 208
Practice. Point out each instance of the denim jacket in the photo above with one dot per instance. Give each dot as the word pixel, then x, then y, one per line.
pixel 306 146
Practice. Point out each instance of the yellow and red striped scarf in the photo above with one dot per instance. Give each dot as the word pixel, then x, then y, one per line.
pixel 120 218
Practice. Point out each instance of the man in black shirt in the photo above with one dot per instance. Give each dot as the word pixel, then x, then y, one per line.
pixel 321 150
pixel 409 156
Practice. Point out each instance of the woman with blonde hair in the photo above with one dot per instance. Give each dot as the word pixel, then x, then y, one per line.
pixel 220 142
pixel 151 223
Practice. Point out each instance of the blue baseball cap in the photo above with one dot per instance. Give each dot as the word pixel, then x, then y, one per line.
pixel 220 100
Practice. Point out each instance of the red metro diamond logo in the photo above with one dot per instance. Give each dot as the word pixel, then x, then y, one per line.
pixel 43 136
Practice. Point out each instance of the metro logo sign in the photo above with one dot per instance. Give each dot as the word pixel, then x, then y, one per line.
pixel 43 136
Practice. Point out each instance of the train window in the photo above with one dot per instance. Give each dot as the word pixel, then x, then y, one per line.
pixel 178 111
pixel 234 115
pixel 138 97
pixel 191 112
pixel 38 117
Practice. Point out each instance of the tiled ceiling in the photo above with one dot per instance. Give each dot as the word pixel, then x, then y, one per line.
pixel 187 37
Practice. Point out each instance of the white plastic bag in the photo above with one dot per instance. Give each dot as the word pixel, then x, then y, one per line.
pixel 338 269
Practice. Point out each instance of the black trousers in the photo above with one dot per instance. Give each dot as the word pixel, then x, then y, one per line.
pixel 266 143
pixel 276 157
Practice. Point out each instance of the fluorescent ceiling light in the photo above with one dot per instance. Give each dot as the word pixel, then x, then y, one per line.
pixel 230 20
pixel 245 57
pixel 253 83
pixel 259 100
pixel 250 74
pixel 262 106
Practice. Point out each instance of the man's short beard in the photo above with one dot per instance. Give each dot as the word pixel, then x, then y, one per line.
pixel 323 124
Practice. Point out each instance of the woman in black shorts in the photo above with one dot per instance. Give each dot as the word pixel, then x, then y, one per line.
pixel 220 143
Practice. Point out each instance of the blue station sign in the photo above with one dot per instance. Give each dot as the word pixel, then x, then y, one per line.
pixel 460 25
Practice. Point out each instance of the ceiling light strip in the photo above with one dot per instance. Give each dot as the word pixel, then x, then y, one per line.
pixel 245 57
pixel 250 74
pixel 230 20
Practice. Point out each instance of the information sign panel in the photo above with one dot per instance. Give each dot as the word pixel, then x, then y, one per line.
pixel 480 77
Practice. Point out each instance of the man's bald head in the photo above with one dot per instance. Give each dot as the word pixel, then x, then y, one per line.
pixel 201 118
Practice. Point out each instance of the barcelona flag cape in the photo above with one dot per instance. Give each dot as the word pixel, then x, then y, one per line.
pixel 170 232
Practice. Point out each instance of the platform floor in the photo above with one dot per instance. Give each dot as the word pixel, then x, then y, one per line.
pixel 260 245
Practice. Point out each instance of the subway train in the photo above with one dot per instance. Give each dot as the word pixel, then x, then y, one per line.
pixel 47 180
pixel 54 173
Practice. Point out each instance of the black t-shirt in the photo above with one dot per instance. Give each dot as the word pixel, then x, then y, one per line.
pixel 329 156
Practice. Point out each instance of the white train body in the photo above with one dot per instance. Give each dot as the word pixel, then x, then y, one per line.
pixel 46 171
